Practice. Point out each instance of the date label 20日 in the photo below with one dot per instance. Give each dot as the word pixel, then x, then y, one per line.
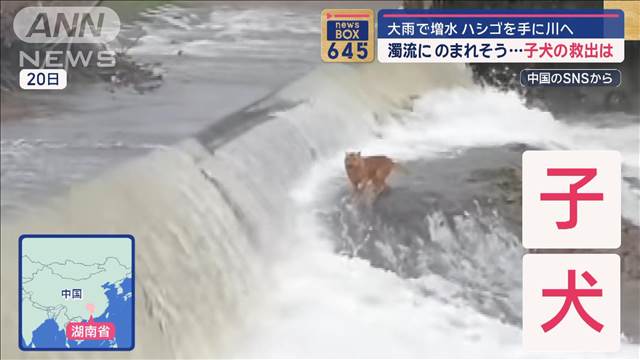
pixel 43 79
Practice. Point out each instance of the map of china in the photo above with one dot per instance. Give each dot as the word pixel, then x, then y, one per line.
pixel 73 283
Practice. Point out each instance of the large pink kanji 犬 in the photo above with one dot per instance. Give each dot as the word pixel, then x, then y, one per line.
pixel 572 296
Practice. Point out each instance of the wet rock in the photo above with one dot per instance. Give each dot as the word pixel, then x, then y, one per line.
pixel 455 218
pixel 458 218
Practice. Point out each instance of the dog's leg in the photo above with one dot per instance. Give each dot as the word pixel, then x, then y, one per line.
pixel 358 190
pixel 376 187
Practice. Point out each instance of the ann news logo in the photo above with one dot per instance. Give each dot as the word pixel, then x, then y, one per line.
pixel 347 35
pixel 571 200
pixel 82 31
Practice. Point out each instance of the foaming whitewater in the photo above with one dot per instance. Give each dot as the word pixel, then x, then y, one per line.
pixel 233 256
pixel 327 305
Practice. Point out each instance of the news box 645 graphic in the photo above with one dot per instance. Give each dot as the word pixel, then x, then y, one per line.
pixel 347 35
pixel 76 292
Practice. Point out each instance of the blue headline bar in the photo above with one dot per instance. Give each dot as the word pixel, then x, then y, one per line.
pixel 516 24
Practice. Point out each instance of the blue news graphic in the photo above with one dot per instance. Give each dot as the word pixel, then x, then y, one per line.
pixel 347 30
pixel 517 24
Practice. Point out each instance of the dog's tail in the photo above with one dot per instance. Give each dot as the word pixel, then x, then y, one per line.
pixel 400 167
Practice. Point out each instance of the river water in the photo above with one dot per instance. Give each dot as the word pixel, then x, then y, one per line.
pixel 229 58
pixel 248 244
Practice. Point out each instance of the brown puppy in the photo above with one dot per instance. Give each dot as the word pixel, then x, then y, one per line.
pixel 363 170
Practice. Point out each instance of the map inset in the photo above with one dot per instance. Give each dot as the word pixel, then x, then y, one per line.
pixel 76 292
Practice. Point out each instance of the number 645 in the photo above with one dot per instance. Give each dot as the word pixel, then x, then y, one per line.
pixel 347 52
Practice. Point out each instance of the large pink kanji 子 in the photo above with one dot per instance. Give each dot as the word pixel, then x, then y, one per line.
pixel 573 196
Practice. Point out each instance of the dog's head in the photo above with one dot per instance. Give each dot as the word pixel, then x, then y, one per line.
pixel 352 160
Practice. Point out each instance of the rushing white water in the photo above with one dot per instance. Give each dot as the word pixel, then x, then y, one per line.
pixel 326 305
pixel 215 58
pixel 231 258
